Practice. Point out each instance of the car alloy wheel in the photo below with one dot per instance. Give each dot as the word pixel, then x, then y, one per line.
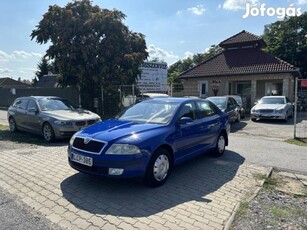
pixel 48 132
pixel 220 145
pixel 12 124
pixel 158 168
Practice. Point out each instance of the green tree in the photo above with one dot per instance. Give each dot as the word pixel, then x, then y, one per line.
pixel 91 47
pixel 287 40
pixel 43 68
pixel 183 65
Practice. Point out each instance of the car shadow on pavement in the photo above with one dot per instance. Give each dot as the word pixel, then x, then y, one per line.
pixel 21 137
pixel 192 181
pixel 236 126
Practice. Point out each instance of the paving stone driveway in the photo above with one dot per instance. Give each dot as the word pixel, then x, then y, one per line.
pixel 201 194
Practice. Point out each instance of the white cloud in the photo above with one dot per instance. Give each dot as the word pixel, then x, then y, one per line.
pixel 21 54
pixel 4 56
pixel 197 10
pixel 5 70
pixel 155 52
pixel 179 12
pixel 18 55
pixel 237 4
pixel 188 54
pixel 302 2
pixel 19 63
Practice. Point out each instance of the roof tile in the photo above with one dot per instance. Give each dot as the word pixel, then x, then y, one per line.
pixel 239 61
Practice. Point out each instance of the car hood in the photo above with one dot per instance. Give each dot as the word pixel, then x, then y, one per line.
pixel 269 106
pixel 71 114
pixel 115 129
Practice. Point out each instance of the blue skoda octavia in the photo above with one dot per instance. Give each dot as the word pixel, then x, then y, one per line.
pixel 148 139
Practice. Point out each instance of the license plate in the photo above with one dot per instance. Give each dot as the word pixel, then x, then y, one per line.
pixel 88 161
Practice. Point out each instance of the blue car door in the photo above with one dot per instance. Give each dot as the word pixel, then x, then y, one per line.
pixel 188 137
pixel 211 123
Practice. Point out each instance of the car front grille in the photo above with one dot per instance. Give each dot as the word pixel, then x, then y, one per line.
pixel 85 123
pixel 266 110
pixel 80 123
pixel 92 146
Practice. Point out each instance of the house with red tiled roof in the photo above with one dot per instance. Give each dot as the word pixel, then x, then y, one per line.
pixel 242 68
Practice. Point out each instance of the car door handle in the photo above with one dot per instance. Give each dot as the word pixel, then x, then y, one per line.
pixel 212 125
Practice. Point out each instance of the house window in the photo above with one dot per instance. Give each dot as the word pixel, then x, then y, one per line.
pixel 244 88
pixel 203 88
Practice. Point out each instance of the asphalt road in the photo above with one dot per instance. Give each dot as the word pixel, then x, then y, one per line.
pixel 269 152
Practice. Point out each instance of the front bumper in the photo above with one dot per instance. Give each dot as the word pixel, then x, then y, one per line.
pixel 62 131
pixel 274 116
pixel 134 166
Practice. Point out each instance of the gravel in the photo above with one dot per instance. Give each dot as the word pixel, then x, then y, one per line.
pixel 274 209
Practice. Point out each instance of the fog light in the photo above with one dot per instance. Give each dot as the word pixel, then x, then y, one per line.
pixel 115 171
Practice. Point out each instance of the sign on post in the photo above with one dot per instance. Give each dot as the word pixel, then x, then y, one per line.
pixel 153 77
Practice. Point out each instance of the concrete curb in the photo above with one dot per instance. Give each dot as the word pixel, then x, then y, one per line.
pixel 248 199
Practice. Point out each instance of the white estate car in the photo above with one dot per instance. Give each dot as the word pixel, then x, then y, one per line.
pixel 272 107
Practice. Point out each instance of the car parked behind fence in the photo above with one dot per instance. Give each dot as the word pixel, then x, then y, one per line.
pixel 272 107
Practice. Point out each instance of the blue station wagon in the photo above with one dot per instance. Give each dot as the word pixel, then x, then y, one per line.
pixel 146 140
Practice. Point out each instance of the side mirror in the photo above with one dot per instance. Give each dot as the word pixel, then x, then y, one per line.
pixel 185 120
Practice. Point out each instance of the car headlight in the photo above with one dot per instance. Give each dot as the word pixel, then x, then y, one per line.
pixel 63 123
pixel 279 111
pixel 72 139
pixel 123 149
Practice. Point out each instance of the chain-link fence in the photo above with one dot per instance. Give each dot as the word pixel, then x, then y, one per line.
pixel 300 109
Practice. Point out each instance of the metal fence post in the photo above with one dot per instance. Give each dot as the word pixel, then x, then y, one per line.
pixel 295 106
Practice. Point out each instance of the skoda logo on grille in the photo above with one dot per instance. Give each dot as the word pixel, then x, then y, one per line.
pixel 87 140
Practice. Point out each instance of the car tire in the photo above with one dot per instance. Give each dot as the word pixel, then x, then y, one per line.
pixel 254 119
pixel 220 145
pixel 48 132
pixel 12 125
pixel 286 118
pixel 158 168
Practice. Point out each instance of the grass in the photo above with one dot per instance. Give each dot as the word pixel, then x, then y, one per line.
pixel 3 127
pixel 271 182
pixel 260 176
pixel 242 210
pixel 279 212
pixel 297 141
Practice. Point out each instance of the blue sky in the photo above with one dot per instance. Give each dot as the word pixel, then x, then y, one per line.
pixel 174 29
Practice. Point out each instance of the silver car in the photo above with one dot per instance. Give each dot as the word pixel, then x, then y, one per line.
pixel 272 107
pixel 52 117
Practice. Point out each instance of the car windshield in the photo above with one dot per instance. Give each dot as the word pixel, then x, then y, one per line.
pixel 271 100
pixel 220 102
pixel 50 104
pixel 238 100
pixel 149 111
